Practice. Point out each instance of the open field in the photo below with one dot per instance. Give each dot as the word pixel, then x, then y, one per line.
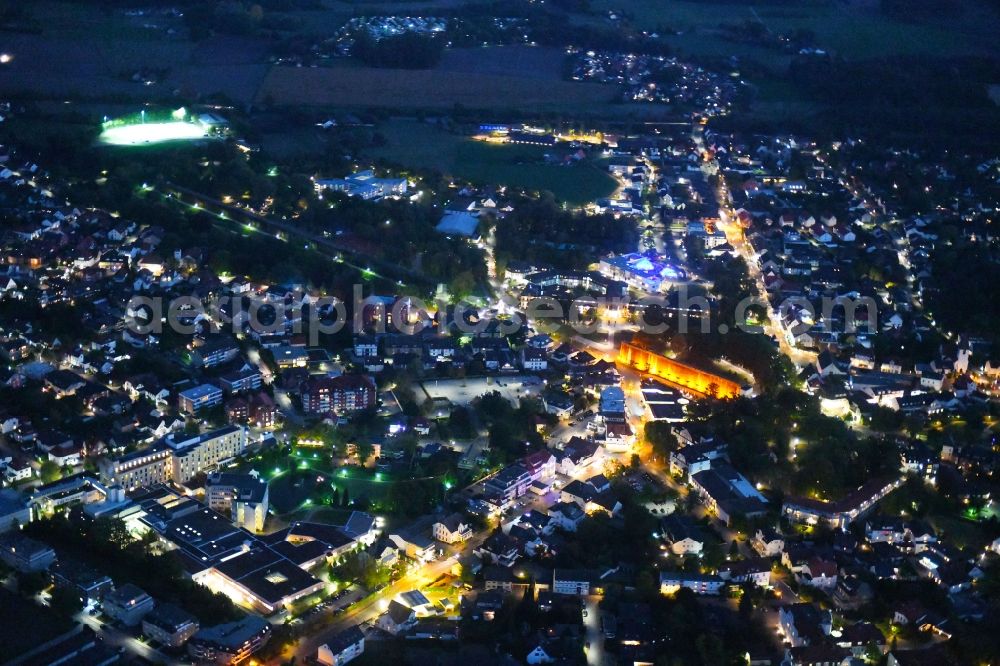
pixel 531 62
pixel 415 144
pixel 852 30
pixel 349 86
pixel 418 145
pixel 519 79
pixel 83 53
pixel 517 166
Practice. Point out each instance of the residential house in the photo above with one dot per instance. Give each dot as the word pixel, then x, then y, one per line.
pixel 397 619
pixel 566 515
pixel 169 625
pixel 230 643
pixel 755 570
pixel 510 483
pixel 128 604
pixel 819 573
pixel 500 549
pixel 342 648
pixel 682 535
pixel 804 624
pixel 579 582
pixel 593 495
pixel 703 584
pixel 768 542
pixel 453 529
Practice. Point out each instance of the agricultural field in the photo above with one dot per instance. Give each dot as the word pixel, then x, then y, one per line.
pixel 353 86
pixel 524 61
pixel 419 145
pixel 521 79
pixel 83 53
pixel 853 30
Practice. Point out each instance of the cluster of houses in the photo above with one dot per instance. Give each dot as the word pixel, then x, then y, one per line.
pixel 655 78
pixel 845 568
pixel 846 572
pixel 60 255
pixel 840 267
pixel 542 472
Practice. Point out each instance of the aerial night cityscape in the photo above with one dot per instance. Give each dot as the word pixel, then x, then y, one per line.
pixel 500 332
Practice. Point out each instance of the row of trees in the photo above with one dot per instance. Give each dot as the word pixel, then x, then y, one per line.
pixel 513 430
pixel 830 459
pixel 542 232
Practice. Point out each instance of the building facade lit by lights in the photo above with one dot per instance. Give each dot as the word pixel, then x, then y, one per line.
pixel 174 459
pixel 648 272
pixel 678 374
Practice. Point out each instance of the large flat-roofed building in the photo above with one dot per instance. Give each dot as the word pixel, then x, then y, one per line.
pixel 174 459
pixel 262 573
pixel 360 526
pixel 590 281
pixel 25 554
pixel 205 451
pixel 81 488
pixel 232 561
pixel 139 469
pixel 308 544
pixel 262 579
pixel 678 374
pixel 363 184
pixel 169 625
pixel 842 512
pixel 200 397
pixel 73 647
pixel 511 482
pixel 14 510
pixel 230 643
pixel 343 394
pixel 727 492
pixel 88 583
pixel 242 495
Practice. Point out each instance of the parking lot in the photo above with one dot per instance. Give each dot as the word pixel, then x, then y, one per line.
pixel 461 392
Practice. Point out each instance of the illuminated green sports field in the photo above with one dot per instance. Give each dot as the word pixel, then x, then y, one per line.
pixel 148 133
